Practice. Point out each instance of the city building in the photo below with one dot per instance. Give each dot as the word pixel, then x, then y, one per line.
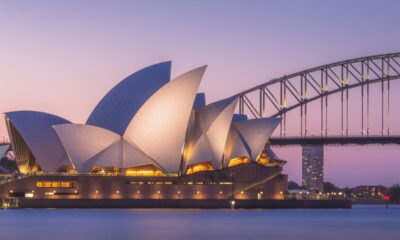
pixel 313 167
pixel 368 193
pixel 148 138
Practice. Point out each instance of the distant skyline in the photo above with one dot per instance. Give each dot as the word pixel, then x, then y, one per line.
pixel 53 52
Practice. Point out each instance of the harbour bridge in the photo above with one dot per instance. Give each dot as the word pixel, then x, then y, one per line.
pixel 342 103
pixel 347 102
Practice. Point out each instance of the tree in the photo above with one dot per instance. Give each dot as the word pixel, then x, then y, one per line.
pixel 330 187
pixel 394 192
pixel 293 185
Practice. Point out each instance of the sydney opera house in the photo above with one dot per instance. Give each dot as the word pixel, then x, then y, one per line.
pixel 149 138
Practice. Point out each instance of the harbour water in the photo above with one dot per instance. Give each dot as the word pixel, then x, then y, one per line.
pixel 366 222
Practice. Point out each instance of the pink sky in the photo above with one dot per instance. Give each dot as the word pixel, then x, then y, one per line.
pixel 63 57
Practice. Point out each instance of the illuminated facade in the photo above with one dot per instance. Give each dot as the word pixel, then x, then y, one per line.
pixel 313 167
pixel 149 137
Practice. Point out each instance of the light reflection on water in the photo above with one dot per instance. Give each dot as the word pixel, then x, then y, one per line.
pixel 362 222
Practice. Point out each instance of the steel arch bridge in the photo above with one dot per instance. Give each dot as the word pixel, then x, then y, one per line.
pixel 298 90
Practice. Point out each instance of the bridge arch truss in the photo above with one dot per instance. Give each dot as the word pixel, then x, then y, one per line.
pixel 305 87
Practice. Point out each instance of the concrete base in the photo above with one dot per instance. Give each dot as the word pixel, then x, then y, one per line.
pixel 184 203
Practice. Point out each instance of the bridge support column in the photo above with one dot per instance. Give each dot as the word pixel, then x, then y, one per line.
pixel 313 167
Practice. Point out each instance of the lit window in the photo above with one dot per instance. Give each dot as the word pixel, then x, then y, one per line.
pixel 237 161
pixel 144 171
pixel 263 160
pixel 66 184
pixel 29 195
pixel 225 183
pixel 48 184
pixel 198 167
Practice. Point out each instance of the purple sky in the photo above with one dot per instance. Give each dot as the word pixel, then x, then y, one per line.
pixel 62 57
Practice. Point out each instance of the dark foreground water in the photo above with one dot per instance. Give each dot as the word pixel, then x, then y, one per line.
pixel 362 222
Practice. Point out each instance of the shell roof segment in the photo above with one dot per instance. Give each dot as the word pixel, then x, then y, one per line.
pixel 159 127
pixel 208 138
pixel 84 144
pixel 36 130
pixel 117 108
pixel 248 138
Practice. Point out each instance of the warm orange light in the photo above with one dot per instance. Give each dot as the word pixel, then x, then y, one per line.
pixel 144 171
pixel 263 160
pixel 204 166
pixel 237 161
pixel 104 170
pixel 48 184
pixel 55 184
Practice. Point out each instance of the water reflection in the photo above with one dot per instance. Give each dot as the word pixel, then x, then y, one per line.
pixel 361 222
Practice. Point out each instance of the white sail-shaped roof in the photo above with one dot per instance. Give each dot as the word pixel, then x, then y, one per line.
pixel 112 156
pixel 159 127
pixel 234 147
pixel 88 146
pixel 256 132
pixel 212 124
pixel 122 154
pixel 133 157
pixel 35 129
pixel 84 144
pixel 248 138
pixel 117 108
pixel 198 150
